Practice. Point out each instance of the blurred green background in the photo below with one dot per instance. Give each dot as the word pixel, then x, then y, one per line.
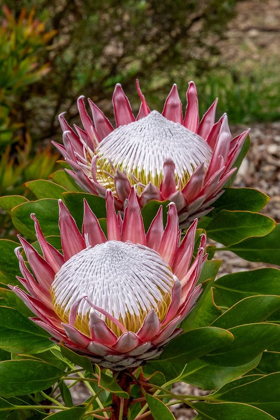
pixel 53 51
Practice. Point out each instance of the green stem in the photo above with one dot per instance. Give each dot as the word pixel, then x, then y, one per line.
pixel 93 393
pixel 38 407
pixel 53 400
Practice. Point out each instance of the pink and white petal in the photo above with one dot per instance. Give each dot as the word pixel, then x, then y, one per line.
pixel 151 192
pixel 133 226
pixel 168 185
pixel 192 299
pixel 76 336
pixel 138 351
pixel 126 342
pixel 100 332
pixel 155 232
pixel 99 349
pixel 175 301
pixel 83 182
pixel 59 335
pixel 122 107
pixel 92 232
pixel 70 150
pixel 144 109
pixel 122 185
pixel 72 241
pixel 166 332
pixel 41 269
pixel 73 136
pixel 102 125
pixel 179 199
pixel 169 242
pixel 113 228
pixel 87 122
pixel 150 327
pixel 61 149
pixel 185 252
pixel 214 133
pixel 192 114
pixel 173 106
pixel 207 121
pixel 195 184
pixel 51 255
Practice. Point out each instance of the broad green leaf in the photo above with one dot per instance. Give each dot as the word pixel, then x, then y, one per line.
pixel 265 249
pixel 263 392
pixel 230 227
pixel 249 341
pixel 20 377
pixel 187 347
pixel 71 414
pixel 158 409
pixel 4 355
pixel 3 406
pixel 62 178
pixel 46 356
pixel 65 394
pixel 205 310
pixel 237 382
pixel 209 270
pixel 43 188
pixel 77 359
pixel 150 210
pixel 9 298
pixel 248 199
pixel 249 310
pixel 209 377
pixel 231 288
pixel 241 156
pixel 110 383
pixel 9 267
pixel 270 362
pixel 75 204
pixel 19 335
pixel 7 202
pixel 230 411
pixel 46 211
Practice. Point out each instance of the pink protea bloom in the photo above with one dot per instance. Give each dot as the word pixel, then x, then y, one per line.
pixel 165 156
pixel 117 300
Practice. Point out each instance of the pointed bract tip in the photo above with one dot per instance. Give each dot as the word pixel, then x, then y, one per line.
pixel 80 98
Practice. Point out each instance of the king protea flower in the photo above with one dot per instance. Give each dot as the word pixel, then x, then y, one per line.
pixel 165 156
pixel 117 300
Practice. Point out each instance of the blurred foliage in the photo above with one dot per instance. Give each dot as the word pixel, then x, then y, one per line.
pixel 21 40
pixel 99 43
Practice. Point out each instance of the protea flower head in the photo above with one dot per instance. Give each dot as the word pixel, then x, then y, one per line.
pixel 117 299
pixel 165 156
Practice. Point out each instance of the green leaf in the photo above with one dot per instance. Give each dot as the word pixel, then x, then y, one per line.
pixel 110 383
pixel 249 341
pixel 241 156
pixel 209 270
pixel 19 377
pixel 265 249
pixel 270 362
pixel 75 204
pixel 150 210
pixel 158 409
pixel 263 392
pixel 9 267
pixel 19 335
pixel 75 358
pixel 42 188
pixel 7 202
pixel 231 288
pixel 249 310
pixel 46 211
pixel 65 394
pixel 187 347
pixel 205 310
pixel 210 377
pixel 230 227
pixel 230 411
pixel 248 199
pixel 62 178
pixel 71 414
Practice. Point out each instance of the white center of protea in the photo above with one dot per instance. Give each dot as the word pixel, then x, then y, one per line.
pixel 141 148
pixel 125 279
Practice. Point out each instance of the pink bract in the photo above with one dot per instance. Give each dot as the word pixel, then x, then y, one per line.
pixel 164 156
pixel 88 296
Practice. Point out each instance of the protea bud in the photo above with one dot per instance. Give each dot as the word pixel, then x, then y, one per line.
pixel 165 156
pixel 117 299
